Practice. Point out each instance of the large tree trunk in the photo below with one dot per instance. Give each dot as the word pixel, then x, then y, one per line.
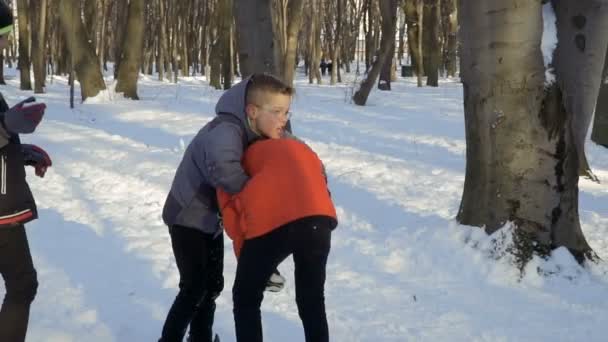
pixel 24 44
pixel 38 45
pixel 432 45
pixel 255 37
pixel 522 158
pixel 600 125
pixel 132 48
pixel 388 9
pixel 84 59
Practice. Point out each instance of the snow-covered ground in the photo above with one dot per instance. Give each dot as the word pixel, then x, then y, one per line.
pixel 401 268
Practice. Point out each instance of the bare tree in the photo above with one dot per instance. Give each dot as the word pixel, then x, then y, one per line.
pixel 287 23
pixel 388 9
pixel 131 57
pixel 39 10
pixel 450 29
pixel 24 44
pixel 431 39
pixel 82 51
pixel 523 156
pixel 413 16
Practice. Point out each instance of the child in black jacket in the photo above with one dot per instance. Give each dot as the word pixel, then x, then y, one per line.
pixel 17 205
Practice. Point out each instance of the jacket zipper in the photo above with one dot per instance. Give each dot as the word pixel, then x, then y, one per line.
pixel 3 176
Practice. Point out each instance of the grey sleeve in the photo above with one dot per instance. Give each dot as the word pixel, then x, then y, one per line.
pixel 223 154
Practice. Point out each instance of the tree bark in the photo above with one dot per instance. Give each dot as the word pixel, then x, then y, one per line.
pixel 388 10
pixel 599 133
pixel 315 43
pixel 38 45
pixel 413 17
pixel 432 45
pixel 24 44
pixel 522 158
pixel 226 28
pixel 386 74
pixel 294 22
pixel 451 36
pixel 81 49
pixel 255 37
pixel 132 48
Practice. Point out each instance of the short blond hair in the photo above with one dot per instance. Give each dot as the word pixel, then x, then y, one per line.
pixel 266 83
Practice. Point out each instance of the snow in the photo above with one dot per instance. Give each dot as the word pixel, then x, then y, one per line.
pixel 549 41
pixel 400 269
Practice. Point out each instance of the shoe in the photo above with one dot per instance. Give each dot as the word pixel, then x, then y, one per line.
pixel 276 282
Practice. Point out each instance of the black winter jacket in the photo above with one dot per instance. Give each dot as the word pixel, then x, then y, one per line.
pixel 17 205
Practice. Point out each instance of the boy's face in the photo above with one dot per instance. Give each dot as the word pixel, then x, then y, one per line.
pixel 269 114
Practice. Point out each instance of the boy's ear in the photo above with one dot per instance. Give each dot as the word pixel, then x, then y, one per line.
pixel 250 111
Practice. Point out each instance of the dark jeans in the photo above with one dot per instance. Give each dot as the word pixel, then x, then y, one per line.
pixel 309 241
pixel 20 281
pixel 200 261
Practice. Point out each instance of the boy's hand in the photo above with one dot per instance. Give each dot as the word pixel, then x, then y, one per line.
pixel 36 157
pixel 22 118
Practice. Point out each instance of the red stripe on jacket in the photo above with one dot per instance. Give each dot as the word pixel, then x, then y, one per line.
pixel 18 218
pixel 286 184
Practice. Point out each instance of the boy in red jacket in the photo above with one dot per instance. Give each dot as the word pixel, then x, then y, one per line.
pixel 285 209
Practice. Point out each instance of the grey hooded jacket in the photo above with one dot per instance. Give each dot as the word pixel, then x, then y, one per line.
pixel 213 159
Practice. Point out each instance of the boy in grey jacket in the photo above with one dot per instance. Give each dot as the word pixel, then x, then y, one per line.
pixel 256 108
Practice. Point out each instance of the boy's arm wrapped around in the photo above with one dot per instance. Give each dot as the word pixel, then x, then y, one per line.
pixel 223 153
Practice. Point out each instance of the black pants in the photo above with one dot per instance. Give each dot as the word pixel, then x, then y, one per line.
pixel 20 281
pixel 200 261
pixel 309 241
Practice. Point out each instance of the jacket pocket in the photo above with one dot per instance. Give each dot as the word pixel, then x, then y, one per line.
pixel 3 172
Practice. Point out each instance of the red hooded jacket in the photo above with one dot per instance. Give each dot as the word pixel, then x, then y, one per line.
pixel 287 183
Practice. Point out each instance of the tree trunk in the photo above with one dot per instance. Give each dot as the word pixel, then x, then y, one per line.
pixel 162 44
pixel 84 59
pixel 388 10
pixel 120 25
pixel 315 43
pixel 600 125
pixel 432 45
pixel 335 53
pixel 132 48
pixel 24 44
pixel 522 158
pixel 384 83
pixel 294 22
pixel 255 37
pixel 226 27
pixel 413 17
pixel 38 45
pixel 102 33
pixel 451 43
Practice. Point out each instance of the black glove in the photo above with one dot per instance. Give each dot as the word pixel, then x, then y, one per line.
pixel 36 157
pixel 22 118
